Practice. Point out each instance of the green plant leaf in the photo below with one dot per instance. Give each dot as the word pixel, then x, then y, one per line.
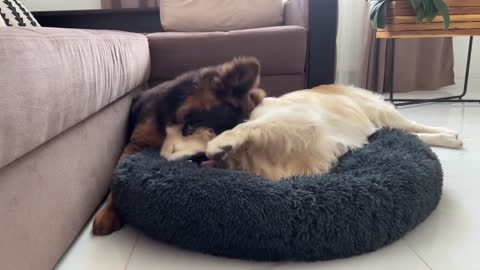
pixel 419 12
pixel 431 12
pixel 443 11
pixel 425 11
pixel 415 3
pixel 378 13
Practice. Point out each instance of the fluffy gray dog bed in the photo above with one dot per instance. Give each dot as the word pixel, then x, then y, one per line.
pixel 371 198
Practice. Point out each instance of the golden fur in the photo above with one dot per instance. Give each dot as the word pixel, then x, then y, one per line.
pixel 306 131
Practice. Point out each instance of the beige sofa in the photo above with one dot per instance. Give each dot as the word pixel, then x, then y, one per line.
pixel 64 101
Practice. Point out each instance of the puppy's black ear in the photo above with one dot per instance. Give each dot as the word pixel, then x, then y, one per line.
pixel 239 76
pixel 254 98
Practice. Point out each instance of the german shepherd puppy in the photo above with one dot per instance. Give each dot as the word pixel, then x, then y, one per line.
pixel 198 105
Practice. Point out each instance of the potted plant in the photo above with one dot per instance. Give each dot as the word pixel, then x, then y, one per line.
pixel 424 10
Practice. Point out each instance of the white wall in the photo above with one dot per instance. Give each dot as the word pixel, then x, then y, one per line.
pixel 460 48
pixel 42 5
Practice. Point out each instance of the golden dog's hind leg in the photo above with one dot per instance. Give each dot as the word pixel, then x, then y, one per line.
pixel 435 136
pixel 441 139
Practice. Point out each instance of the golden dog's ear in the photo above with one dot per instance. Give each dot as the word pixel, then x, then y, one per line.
pixel 239 76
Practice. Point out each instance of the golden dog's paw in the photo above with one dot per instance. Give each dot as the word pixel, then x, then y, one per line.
pixel 448 131
pixel 224 144
pixel 457 143
pixel 451 140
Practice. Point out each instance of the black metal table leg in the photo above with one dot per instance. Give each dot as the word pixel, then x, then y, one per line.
pixel 467 71
pixel 454 98
pixel 392 68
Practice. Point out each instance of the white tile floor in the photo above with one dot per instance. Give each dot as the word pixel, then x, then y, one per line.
pixel 449 239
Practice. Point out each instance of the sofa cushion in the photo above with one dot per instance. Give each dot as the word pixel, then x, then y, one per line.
pixel 53 78
pixel 196 15
pixel 281 50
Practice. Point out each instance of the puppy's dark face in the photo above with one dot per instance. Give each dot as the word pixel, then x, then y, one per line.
pixel 201 104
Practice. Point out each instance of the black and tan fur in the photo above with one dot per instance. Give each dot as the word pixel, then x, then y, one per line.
pixel 214 99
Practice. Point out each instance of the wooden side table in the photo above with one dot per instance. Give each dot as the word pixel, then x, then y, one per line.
pixel 401 23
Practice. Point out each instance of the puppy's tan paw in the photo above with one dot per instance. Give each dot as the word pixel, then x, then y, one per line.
pixel 106 222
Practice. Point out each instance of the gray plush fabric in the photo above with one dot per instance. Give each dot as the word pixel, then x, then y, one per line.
pixel 371 198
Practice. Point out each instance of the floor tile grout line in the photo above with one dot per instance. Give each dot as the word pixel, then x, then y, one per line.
pixel 463 120
pixel 131 252
pixel 418 255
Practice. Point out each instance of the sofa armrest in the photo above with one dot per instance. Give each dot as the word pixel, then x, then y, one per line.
pixel 296 13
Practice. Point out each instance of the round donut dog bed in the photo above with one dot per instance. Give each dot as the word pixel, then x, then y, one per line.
pixel 372 197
